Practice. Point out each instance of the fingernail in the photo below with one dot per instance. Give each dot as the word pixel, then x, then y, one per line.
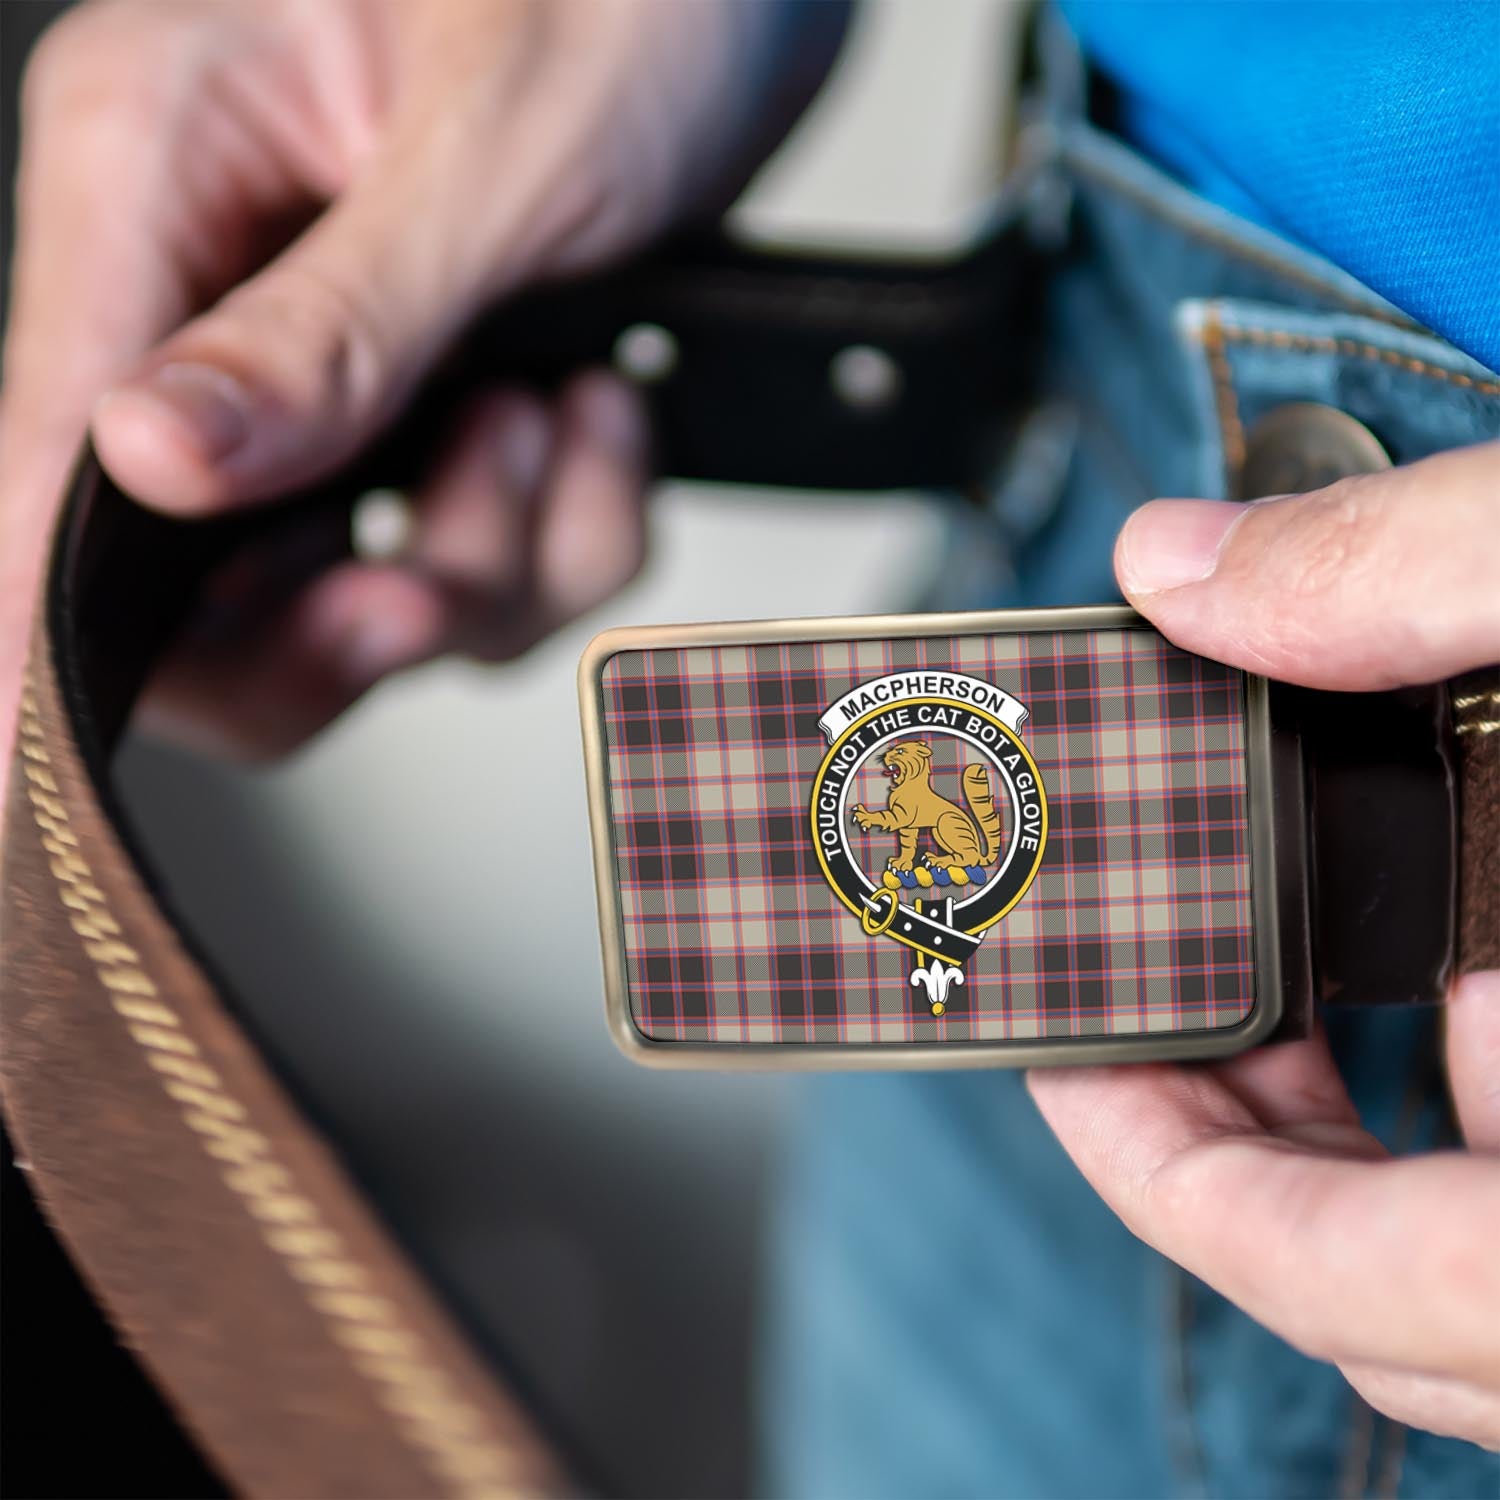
pixel 521 448
pixel 1170 543
pixel 376 646
pixel 211 406
pixel 612 413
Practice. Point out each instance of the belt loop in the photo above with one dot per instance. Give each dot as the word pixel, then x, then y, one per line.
pixel 1062 75
pixel 1051 100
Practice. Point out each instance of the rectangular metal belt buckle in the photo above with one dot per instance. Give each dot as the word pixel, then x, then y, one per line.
pixel 1020 838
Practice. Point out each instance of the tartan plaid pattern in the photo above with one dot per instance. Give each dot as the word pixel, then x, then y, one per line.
pixel 1139 919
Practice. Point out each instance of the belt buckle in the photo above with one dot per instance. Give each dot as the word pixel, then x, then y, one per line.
pixel 1004 838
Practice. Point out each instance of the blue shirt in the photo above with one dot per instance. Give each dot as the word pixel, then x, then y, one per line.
pixel 1367 131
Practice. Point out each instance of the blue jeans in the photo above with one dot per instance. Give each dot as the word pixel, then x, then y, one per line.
pixel 951 1310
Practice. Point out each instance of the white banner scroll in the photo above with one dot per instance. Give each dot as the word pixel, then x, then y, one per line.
pixel 901 687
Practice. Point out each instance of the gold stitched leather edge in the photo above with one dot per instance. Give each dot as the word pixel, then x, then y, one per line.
pixel 446 1431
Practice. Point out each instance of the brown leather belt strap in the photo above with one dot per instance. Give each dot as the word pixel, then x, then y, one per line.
pixel 1476 728
pixel 229 1245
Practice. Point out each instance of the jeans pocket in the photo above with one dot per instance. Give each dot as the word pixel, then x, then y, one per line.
pixel 1416 394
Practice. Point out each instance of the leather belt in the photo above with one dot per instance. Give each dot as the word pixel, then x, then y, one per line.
pixel 210 1215
pixel 1475 699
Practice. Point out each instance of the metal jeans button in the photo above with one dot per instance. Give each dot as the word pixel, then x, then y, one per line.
pixel 1304 446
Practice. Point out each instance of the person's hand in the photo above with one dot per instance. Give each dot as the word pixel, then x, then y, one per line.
pixel 248 227
pixel 1255 1174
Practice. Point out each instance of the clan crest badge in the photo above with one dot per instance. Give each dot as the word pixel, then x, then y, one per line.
pixel 961 834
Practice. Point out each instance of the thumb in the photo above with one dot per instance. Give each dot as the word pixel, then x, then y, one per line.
pixel 1378 581
pixel 293 370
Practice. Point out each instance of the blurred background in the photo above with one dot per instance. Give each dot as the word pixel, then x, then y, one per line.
pixel 381 905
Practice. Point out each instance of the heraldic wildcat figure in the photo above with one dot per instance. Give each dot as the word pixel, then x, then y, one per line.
pixel 960 838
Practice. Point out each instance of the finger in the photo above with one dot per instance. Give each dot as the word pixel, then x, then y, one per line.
pixel 582 536
pixel 70 328
pixel 1451 1408
pixel 1375 582
pixel 294 370
pixel 259 673
pixel 203 179
pixel 1296 1090
pixel 591 533
pixel 476 512
pixel 1351 1259
pixel 283 380
pixel 274 688
pixel 114 114
pixel 1472 1019
pixel 480 577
